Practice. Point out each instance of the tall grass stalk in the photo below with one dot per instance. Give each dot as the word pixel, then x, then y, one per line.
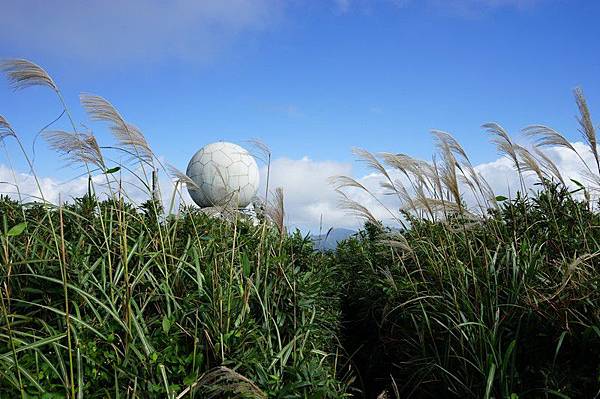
pixel 472 302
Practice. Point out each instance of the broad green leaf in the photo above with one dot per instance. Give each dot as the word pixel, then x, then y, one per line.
pixel 113 170
pixel 578 184
pixel 166 324
pixel 17 229
pixel 500 198
pixel 245 265
pixel 490 381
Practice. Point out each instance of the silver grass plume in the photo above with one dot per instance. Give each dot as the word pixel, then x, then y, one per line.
pixel 276 212
pixel 368 158
pixel 419 203
pixel 76 147
pixel 181 177
pixel 505 146
pixel 448 169
pixel 463 178
pixel 223 380
pixel 547 137
pixel 469 176
pixel 402 162
pixel 340 182
pixel 486 190
pixel 262 148
pixel 265 152
pixel 418 172
pixel 502 141
pixel 528 161
pixel 408 165
pixel 354 208
pixel 586 126
pixel 397 187
pixel 592 178
pixel 434 205
pixel 23 73
pixel 129 136
pixel 480 182
pixel 372 161
pixel 438 187
pixel 548 164
pixel 5 129
pixel 451 143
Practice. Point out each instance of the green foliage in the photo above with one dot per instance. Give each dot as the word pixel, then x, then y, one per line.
pixel 153 305
pixel 106 299
pixel 504 307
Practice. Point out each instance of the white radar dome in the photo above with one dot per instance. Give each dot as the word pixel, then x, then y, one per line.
pixel 225 173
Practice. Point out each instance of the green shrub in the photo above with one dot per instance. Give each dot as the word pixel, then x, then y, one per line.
pixel 506 306
pixel 156 307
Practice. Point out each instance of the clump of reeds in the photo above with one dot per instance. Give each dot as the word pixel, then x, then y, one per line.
pixel 105 297
pixel 478 295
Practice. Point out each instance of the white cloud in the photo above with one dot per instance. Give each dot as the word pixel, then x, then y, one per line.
pixel 110 31
pixel 503 178
pixel 309 196
pixel 24 186
pixel 310 200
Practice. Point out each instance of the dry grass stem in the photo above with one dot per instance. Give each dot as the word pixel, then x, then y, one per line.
pixel 586 126
pixel 502 141
pixel 528 162
pixel 276 211
pixel 371 161
pixel 181 177
pixel 340 182
pixel 223 380
pixel 262 148
pixel 549 165
pixel 451 143
pixel 5 129
pixel 128 136
pixel 76 147
pixel 547 137
pixel 355 209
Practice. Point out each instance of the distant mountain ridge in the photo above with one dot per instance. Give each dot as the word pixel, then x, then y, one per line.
pixel 330 240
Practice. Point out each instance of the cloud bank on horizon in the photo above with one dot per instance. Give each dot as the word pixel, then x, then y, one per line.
pixel 311 203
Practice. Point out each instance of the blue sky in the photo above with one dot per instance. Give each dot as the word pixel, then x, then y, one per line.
pixel 310 78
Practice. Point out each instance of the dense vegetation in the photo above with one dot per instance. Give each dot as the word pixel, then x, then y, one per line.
pixel 470 295
pixel 103 299
pixel 508 307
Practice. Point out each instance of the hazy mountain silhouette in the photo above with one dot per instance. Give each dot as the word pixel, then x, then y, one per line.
pixel 330 240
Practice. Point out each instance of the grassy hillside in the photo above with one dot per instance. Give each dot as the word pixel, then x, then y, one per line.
pixel 469 294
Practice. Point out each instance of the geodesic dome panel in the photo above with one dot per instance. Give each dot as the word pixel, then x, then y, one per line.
pixel 225 174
